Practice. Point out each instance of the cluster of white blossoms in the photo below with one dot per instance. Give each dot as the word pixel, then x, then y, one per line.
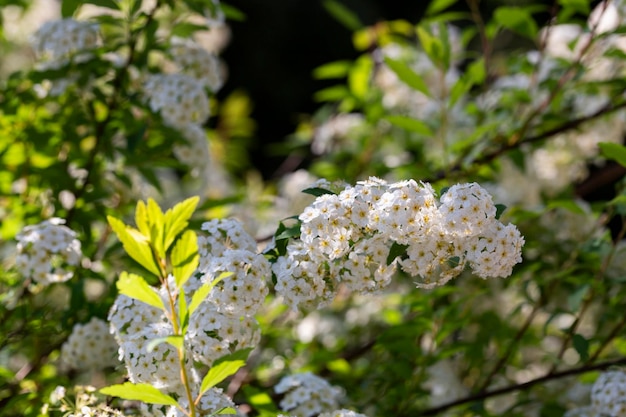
pixel 346 240
pixel 46 252
pixel 91 346
pixel 307 395
pixel 179 98
pixel 197 62
pixel 80 402
pixel 56 41
pixel 607 397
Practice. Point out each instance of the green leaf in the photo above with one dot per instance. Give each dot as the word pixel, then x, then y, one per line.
pixel 396 250
pixel 185 257
pixel 135 244
pixel 582 346
pixel 359 76
pixel 232 13
pixel 410 124
pixel 407 75
pixel 436 47
pixel 516 19
pixel 500 208
pixel 177 219
pixel 336 69
pixel 343 15
pixel 613 152
pixel 201 293
pixel 225 411
pixel 141 218
pixel 223 368
pixel 185 29
pixel 68 7
pixel 174 340
pixel 317 191
pixel 139 392
pixel 333 93
pixel 575 299
pixel 156 220
pixel 136 287
pixel 437 6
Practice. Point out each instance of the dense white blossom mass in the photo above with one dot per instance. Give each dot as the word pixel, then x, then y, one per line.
pixel 346 239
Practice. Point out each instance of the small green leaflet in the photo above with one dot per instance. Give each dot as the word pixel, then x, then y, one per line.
pixel 136 287
pixel 224 368
pixel 410 124
pixel 343 15
pixel 139 392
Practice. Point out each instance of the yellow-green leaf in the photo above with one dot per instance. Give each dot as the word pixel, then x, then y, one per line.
pixel 177 219
pixel 139 392
pixel 135 244
pixel 141 218
pixel 224 368
pixel 157 227
pixel 407 75
pixel 136 287
pixel 185 257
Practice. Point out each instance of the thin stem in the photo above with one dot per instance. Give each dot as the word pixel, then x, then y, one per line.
pixel 486 45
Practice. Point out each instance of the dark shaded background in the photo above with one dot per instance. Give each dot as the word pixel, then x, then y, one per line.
pixel 272 54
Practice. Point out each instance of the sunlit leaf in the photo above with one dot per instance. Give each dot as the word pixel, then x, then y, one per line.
pixel 407 75
pixel 139 392
pixel 223 368
pixel 135 244
pixel 185 257
pixel 177 219
pixel 136 287
pixel 174 340
pixel 201 293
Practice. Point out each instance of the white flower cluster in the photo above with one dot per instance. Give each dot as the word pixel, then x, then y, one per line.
pixel 197 62
pixel 46 250
pixel 80 402
pixel 346 240
pixel 607 397
pixel 179 98
pixel 91 346
pixel 342 413
pixel 307 395
pixel 56 41
pixel 135 325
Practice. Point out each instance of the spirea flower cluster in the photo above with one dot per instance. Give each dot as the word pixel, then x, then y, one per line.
pixel 197 62
pixel 179 98
pixel 46 252
pixel 56 41
pixel 90 346
pixel 307 395
pixel 346 239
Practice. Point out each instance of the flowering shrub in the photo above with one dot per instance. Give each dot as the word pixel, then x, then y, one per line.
pixel 342 289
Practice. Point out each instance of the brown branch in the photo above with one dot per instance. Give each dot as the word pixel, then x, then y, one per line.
pixel 511 145
pixel 524 386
